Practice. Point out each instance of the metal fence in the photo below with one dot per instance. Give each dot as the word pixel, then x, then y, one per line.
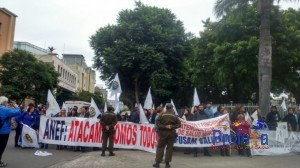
pixel 250 108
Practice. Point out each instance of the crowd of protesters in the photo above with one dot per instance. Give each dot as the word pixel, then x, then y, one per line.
pixel 31 117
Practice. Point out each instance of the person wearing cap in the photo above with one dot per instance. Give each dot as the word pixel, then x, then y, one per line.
pixel 167 124
pixel 108 122
pixel 6 114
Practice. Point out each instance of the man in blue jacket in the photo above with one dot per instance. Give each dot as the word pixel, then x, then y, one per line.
pixel 5 124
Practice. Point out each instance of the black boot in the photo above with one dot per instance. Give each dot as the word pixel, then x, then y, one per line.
pixel 168 165
pixel 156 165
pixel 222 152
pixel 227 152
pixel 112 154
pixel 248 152
pixel 205 152
pixel 103 153
pixel 240 152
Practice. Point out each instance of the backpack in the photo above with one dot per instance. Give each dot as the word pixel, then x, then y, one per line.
pixel 2 121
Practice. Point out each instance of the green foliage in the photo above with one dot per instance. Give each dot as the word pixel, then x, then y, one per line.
pixel 86 96
pixel 224 62
pixel 23 76
pixel 225 58
pixel 286 53
pixel 146 47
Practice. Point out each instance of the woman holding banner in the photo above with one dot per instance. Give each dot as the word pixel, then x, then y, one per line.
pixel 187 116
pixel 244 128
pixel 224 150
pixel 63 113
pixel 43 113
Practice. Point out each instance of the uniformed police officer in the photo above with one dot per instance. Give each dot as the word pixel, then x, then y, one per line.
pixel 108 122
pixel 167 123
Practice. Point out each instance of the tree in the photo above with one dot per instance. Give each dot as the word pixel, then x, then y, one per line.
pixel 224 57
pixel 23 76
pixel 86 96
pixel 265 44
pixel 286 41
pixel 224 60
pixel 146 47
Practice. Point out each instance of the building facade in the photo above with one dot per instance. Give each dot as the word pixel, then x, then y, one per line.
pixel 68 78
pixel 86 76
pixel 75 75
pixel 33 49
pixel 7 30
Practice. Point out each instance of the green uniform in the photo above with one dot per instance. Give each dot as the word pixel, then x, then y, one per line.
pixel 108 119
pixel 166 136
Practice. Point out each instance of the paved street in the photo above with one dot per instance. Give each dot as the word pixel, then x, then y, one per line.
pixel 139 159
pixel 25 158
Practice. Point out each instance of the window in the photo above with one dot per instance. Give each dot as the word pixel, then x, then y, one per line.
pixel 0 27
pixel 58 68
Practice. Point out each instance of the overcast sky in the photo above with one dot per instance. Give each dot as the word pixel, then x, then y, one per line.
pixel 68 24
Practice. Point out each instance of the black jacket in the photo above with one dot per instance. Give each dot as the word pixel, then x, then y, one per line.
pixel 200 115
pixel 291 119
pixel 272 119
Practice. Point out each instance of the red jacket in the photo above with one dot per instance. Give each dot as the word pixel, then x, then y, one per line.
pixel 244 127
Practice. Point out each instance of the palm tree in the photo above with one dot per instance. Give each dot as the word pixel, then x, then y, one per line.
pixel 265 43
pixel 51 49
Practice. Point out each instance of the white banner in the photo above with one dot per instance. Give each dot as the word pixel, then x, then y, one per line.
pixel 200 133
pixel 289 145
pixel 87 132
pixel 206 133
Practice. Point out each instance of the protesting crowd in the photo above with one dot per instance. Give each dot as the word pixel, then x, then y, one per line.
pixel 165 122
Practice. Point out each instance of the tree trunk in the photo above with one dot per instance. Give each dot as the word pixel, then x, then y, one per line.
pixel 265 57
pixel 136 91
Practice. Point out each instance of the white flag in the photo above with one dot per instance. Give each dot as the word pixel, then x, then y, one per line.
pixel 175 110
pixel 105 107
pixel 94 110
pixel 115 86
pixel 196 101
pixel 143 118
pixel 148 102
pixel 283 105
pixel 214 109
pixel 117 110
pixel 248 118
pixel 66 107
pixel 53 108
pixel 255 118
pixel 29 137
